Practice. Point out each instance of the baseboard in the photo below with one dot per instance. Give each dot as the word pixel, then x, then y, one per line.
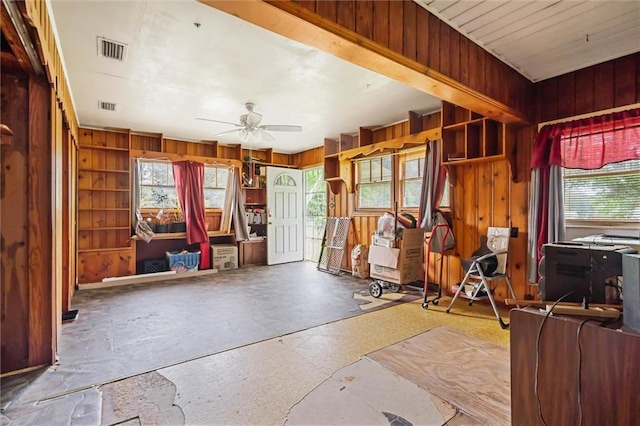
pixel 144 278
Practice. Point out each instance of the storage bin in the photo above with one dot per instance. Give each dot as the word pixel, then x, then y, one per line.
pixel 155 265
pixel 182 261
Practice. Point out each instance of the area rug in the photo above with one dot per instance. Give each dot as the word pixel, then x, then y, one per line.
pixel 471 374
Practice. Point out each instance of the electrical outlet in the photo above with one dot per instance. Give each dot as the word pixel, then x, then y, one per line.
pixel 514 232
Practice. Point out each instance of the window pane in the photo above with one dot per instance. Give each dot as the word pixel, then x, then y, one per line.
pixel 445 194
pixel 146 173
pixel 374 195
pixel 411 169
pixel 376 170
pixel 411 196
pixel 210 177
pixel 610 197
pixel 364 171
pixel 223 177
pixel 213 198
pixel 160 174
pixel 386 167
pixel 158 197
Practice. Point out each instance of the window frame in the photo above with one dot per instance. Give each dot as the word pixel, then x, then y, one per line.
pixel 411 155
pixel 223 187
pixel 579 174
pixel 171 209
pixel 391 182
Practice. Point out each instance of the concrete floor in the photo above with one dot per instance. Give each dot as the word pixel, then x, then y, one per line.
pixel 259 382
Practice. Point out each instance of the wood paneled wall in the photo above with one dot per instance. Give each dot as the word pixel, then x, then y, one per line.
pixel 411 31
pixel 482 194
pixel 603 86
pixel 28 313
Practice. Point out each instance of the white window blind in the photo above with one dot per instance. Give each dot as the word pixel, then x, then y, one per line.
pixel 610 193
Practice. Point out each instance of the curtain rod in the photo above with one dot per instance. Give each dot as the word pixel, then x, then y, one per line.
pixel 169 160
pixel 589 115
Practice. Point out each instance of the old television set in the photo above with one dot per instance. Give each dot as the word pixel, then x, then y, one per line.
pixel 578 272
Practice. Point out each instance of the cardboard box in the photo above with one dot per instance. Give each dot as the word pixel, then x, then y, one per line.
pixel 224 256
pixel 400 265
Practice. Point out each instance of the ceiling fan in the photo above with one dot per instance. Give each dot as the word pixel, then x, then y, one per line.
pixel 250 128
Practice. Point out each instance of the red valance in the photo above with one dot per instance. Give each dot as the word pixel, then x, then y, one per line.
pixel 589 143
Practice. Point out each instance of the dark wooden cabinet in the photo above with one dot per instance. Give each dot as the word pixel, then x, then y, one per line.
pixel 253 252
pixel 591 373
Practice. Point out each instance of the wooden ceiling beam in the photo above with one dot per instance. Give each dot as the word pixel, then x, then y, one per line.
pixel 300 24
pixel 12 37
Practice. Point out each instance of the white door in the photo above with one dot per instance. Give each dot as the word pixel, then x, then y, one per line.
pixel 284 215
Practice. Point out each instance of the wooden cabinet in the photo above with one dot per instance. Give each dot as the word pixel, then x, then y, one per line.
pixel 104 214
pixel 469 137
pixel 569 370
pixel 93 266
pixel 253 252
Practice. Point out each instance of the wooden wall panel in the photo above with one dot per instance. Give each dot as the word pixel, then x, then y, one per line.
pixel 380 22
pixel 346 14
pixel 409 34
pixel 600 87
pixel 43 284
pixel 408 29
pixel 309 158
pixel 14 312
pixel 364 17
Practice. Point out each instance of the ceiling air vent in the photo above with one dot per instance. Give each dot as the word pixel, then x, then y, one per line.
pixel 112 49
pixel 109 106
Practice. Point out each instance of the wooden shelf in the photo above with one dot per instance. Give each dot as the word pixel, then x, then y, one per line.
pixel 103 209
pixel 104 148
pixel 98 250
pixel 182 235
pixel 469 138
pixel 105 228
pixel 105 189
pixel 82 169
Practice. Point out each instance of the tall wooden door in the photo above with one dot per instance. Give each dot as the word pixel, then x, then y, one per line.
pixel 284 215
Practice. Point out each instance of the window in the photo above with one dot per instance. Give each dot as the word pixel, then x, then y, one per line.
pixel 215 185
pixel 412 168
pixel 315 213
pixel 411 179
pixel 158 189
pixel 610 193
pixel 374 182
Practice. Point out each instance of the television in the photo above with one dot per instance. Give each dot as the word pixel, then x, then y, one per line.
pixel 579 271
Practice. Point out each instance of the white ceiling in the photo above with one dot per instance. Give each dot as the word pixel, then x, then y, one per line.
pixel 176 71
pixel 542 38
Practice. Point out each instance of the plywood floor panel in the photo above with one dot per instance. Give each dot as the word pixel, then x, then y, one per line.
pixel 465 371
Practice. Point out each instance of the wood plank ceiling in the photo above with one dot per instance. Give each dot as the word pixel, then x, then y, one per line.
pixel 543 39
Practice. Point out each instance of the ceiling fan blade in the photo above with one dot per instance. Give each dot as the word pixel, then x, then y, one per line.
pixel 228 132
pixel 218 121
pixel 281 128
pixel 263 136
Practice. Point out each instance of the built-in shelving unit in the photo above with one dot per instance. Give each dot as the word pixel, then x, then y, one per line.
pixel 339 153
pixel 104 205
pixel 468 137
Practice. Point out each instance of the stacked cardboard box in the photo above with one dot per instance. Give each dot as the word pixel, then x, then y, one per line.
pixel 401 264
pixel 224 256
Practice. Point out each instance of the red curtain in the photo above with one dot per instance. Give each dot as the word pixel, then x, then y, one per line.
pixel 189 179
pixel 589 143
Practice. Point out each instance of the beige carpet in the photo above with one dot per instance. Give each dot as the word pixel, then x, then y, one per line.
pixel 471 374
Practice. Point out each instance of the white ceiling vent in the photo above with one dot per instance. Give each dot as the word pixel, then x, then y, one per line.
pixel 112 49
pixel 108 106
